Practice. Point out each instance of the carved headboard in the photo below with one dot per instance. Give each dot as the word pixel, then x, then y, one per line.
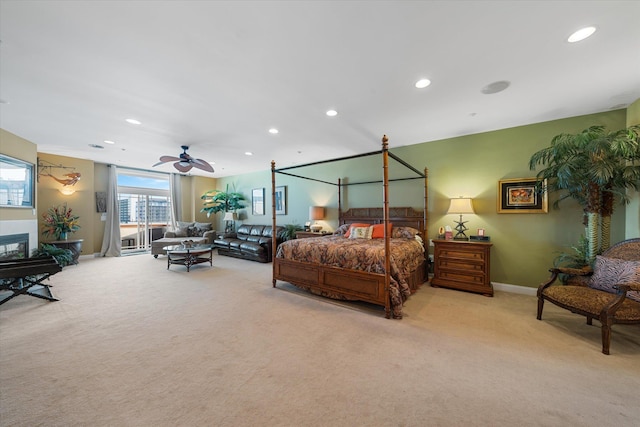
pixel 399 217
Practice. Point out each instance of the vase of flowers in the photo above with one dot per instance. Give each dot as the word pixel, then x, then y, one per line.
pixel 59 221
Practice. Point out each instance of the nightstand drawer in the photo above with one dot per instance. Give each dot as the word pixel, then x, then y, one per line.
pixel 458 276
pixel 466 255
pixel 461 264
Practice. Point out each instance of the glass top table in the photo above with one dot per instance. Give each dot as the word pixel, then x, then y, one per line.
pixel 189 255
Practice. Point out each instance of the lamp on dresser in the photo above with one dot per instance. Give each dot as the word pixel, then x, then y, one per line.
pixel 316 213
pixel 461 206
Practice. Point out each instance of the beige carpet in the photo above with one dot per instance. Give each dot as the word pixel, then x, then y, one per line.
pixel 131 343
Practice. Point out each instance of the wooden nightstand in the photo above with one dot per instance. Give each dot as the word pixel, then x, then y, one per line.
pixel 462 265
pixel 305 234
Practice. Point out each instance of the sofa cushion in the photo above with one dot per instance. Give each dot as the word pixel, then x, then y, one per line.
pixel 251 247
pixel 182 232
pixel 608 272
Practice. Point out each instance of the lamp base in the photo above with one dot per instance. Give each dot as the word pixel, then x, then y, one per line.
pixel 460 228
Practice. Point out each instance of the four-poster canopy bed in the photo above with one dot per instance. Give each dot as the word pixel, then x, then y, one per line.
pixel 382 270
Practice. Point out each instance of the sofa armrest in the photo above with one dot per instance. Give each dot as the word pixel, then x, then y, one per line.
pixel 210 236
pixel 268 246
pixel 170 234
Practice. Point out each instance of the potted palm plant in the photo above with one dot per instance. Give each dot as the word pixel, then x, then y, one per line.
pixel 221 201
pixel 595 168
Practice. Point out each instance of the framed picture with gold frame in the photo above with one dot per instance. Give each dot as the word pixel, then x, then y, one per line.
pixel 521 195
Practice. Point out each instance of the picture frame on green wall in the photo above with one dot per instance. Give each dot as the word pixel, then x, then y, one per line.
pixel 281 200
pixel 521 195
pixel 257 201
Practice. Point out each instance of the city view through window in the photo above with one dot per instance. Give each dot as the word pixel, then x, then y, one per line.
pixel 145 208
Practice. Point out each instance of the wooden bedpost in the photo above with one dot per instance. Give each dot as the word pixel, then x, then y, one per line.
pixel 425 237
pixel 274 237
pixel 387 237
pixel 339 201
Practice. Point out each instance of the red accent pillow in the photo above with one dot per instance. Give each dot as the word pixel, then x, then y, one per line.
pixel 378 231
pixel 355 224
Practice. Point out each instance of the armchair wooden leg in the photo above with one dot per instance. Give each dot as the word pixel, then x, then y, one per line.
pixel 540 307
pixel 606 338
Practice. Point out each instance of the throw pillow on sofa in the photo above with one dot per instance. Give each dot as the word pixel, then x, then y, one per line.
pixel 199 228
pixel 183 229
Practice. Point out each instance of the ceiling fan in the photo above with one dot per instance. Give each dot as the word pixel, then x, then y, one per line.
pixel 185 162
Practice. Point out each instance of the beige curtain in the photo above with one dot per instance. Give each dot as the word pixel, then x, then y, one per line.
pixel 111 243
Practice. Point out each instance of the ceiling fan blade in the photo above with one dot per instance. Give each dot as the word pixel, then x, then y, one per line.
pixel 204 165
pixel 182 167
pixel 165 159
pixel 158 164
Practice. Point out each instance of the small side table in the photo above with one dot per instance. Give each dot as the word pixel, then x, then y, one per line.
pixel 75 246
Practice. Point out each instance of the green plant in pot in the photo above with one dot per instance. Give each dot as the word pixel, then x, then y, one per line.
pixel 62 256
pixel 289 231
pixel 595 168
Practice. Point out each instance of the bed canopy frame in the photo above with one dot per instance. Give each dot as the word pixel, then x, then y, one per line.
pixel 407 218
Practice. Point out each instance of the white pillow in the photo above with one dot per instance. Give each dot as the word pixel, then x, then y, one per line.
pixel 361 232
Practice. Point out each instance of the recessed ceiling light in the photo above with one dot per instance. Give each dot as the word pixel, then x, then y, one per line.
pixel 273 131
pixel 495 87
pixel 332 113
pixel 581 34
pixel 422 83
pixel 96 146
pixel 133 121
pixel 248 153
pixel 106 141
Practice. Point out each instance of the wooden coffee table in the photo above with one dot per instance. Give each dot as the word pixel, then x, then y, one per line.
pixel 189 255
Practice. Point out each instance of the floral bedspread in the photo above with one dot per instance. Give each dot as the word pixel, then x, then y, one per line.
pixel 361 254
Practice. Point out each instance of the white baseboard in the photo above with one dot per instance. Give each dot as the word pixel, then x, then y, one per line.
pixel 504 287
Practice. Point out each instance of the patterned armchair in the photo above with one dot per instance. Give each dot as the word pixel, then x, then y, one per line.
pixel 610 293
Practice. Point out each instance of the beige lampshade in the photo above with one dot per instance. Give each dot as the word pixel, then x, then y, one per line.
pixel 461 205
pixel 230 216
pixel 316 212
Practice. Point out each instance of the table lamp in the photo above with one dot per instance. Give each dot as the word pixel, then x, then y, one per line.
pixel 460 206
pixel 230 218
pixel 316 213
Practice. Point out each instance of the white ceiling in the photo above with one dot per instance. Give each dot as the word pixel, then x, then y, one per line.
pixel 216 75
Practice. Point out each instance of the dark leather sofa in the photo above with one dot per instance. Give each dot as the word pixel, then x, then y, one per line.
pixel 252 242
